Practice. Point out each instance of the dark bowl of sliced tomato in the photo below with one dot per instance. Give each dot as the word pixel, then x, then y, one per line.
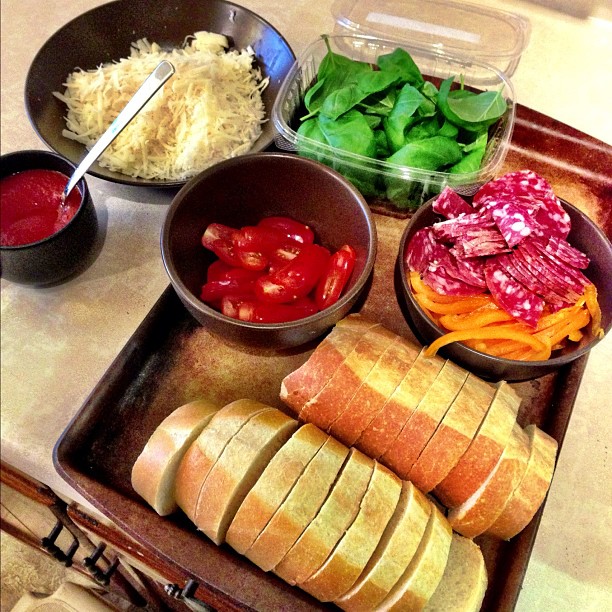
pixel 512 284
pixel 269 249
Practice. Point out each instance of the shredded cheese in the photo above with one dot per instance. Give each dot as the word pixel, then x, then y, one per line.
pixel 211 109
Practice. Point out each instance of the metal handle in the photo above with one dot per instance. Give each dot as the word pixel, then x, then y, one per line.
pixel 48 543
pixel 186 596
pixel 144 93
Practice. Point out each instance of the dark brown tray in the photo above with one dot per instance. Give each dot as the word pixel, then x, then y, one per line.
pixel 170 360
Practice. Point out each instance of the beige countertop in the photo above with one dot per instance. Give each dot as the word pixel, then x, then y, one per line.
pixel 57 342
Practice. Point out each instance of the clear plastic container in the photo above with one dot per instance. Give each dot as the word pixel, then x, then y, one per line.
pixel 444 39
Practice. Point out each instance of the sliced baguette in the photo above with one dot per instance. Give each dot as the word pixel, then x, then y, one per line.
pixel 326 405
pixel 454 434
pixel 376 389
pixel 405 450
pixel 464 582
pixel 239 466
pixel 387 424
pixel 481 510
pixel 530 493
pixel 348 559
pixel 484 451
pixel 396 549
pixel 154 471
pixel 336 515
pixel 206 449
pixel 273 486
pixel 304 383
pixel 424 573
pixel 299 507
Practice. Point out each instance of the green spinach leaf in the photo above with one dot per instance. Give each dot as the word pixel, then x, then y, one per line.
pixel 400 62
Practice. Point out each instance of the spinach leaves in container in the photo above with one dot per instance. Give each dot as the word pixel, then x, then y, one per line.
pixel 399 136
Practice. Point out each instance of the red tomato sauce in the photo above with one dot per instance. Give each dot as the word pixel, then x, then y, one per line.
pixel 30 206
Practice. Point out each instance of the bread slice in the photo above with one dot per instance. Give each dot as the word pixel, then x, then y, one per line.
pixel 299 507
pixel 154 471
pixel 464 582
pixel 405 450
pixel 331 522
pixel 387 424
pixel 238 468
pixel 481 510
pixel 326 405
pixel 395 550
pixel 304 383
pixel 349 557
pixel 206 449
pixel 424 573
pixel 530 493
pixel 376 389
pixel 454 434
pixel 273 486
pixel 484 451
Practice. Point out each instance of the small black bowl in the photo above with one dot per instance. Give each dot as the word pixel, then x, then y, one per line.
pixel 242 191
pixel 62 254
pixel 584 235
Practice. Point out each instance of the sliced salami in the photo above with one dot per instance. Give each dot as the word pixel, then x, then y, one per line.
pixel 566 252
pixel 513 219
pixel 534 262
pixel 450 204
pixel 511 295
pixel 442 282
pixel 421 249
pixel 480 243
pixel 452 228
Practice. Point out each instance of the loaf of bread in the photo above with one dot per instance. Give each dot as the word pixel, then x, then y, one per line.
pixel 428 420
pixel 296 501
pixel 154 471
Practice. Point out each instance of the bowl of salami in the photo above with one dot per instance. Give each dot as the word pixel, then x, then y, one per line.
pixel 513 284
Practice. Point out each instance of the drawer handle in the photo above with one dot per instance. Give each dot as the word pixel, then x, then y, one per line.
pixel 186 595
pixel 48 543
pixel 101 576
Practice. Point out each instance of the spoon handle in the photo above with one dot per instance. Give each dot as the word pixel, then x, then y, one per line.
pixel 144 93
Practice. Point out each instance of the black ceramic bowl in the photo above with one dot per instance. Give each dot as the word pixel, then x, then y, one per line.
pixel 62 254
pixel 105 33
pixel 242 191
pixel 584 235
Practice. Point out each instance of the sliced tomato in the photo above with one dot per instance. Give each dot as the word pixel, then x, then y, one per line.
pixel 213 291
pixel 218 270
pixel 262 312
pixel 217 231
pixel 334 280
pixel 292 229
pixel 295 280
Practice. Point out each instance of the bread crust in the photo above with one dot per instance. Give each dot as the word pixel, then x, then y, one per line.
pixel 237 469
pixel 331 401
pixel 405 450
pixel 273 486
pixel 337 513
pixel 394 552
pixel 299 507
pixel 375 390
pixel 530 493
pixel 484 451
pixel 454 434
pixel 481 510
pixel 347 560
pixel 424 573
pixel 387 424
pixel 304 383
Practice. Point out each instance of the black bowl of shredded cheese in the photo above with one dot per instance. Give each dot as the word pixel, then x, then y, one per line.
pixel 229 66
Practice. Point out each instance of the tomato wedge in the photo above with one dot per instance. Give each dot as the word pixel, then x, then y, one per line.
pixel 296 279
pixel 334 280
pixel 292 229
pixel 262 312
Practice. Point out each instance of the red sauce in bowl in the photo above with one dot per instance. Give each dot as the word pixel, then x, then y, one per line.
pixel 31 206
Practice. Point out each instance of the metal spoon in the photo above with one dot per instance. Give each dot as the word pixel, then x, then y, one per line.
pixel 144 93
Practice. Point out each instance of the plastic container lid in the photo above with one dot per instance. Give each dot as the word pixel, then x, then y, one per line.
pixel 462 29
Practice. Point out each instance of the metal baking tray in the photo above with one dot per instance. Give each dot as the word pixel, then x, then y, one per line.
pixel 171 359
